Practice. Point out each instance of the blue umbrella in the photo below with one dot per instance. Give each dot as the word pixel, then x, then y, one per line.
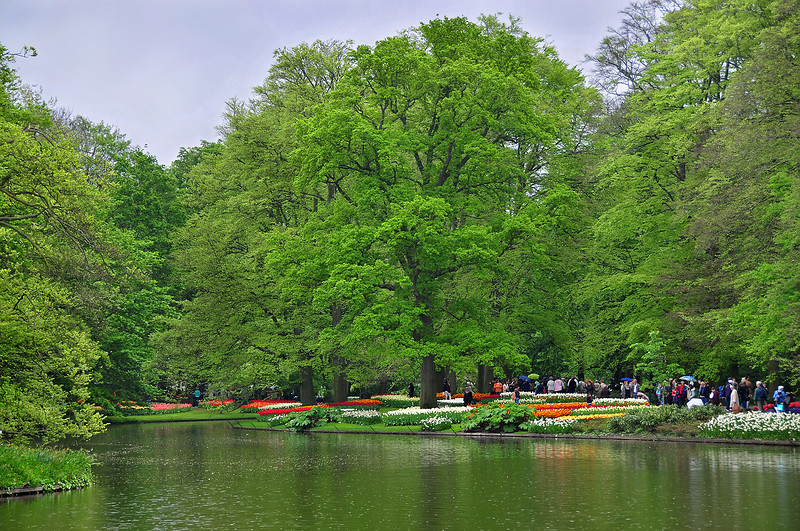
pixel 524 378
pixel 624 379
pixel 688 378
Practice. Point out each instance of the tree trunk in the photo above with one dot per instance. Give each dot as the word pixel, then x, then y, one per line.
pixel 340 384
pixel 427 392
pixel 452 376
pixel 307 395
pixel 485 373
pixel 774 371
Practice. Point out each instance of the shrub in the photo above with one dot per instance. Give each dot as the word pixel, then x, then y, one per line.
pixel 316 416
pixel 44 467
pixel 647 420
pixel 498 418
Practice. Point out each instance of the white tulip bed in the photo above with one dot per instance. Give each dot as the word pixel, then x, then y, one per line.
pixel 754 425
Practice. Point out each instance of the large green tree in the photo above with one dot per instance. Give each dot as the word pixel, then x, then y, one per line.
pixel 50 242
pixel 439 141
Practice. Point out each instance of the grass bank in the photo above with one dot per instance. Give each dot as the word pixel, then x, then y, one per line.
pixel 44 469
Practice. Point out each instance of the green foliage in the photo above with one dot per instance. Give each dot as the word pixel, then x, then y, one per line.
pixel 43 467
pixel 653 367
pixel 316 416
pixel 494 418
pixel 647 420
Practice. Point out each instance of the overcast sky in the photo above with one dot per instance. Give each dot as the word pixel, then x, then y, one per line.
pixel 162 70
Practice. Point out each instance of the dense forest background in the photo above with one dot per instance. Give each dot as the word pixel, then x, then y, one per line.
pixel 454 200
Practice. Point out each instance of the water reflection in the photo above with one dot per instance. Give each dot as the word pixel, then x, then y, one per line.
pixel 209 475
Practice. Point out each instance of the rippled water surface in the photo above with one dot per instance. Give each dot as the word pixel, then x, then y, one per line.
pixel 210 476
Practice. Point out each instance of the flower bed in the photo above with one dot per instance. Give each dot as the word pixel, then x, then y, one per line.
pixel 363 404
pixel 436 423
pixel 397 400
pixel 281 405
pixel 156 408
pixel 414 416
pixel 620 401
pixel 547 398
pixel 284 410
pixel 475 396
pixel 549 425
pixel 160 406
pixel 216 403
pixel 755 425
pixel 552 413
pixel 607 410
pixel 361 416
pixel 259 404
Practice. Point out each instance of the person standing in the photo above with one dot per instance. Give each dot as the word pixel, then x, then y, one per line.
pixel 446 389
pixel 726 392
pixel 196 397
pixel 679 394
pixel 605 390
pixel 779 396
pixel 713 396
pixel 634 389
pixel 558 385
pixel 516 395
pixel 551 385
pixel 498 386
pixel 468 396
pixel 705 391
pixel 411 389
pixel 572 385
pixel 734 403
pixel 760 396
pixel 744 394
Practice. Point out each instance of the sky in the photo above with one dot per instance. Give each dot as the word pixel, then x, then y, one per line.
pixel 161 71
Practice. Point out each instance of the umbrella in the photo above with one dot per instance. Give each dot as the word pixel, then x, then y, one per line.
pixel 688 378
pixel 524 378
pixel 533 376
pixel 624 379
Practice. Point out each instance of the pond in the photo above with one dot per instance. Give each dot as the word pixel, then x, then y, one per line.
pixel 208 475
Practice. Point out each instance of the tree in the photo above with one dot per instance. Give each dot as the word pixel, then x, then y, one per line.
pixel 49 248
pixel 434 138
pixel 249 313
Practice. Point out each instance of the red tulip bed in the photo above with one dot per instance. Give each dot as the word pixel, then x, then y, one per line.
pixel 216 403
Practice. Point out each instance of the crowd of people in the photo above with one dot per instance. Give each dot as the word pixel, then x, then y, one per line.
pixel 735 396
pixel 684 392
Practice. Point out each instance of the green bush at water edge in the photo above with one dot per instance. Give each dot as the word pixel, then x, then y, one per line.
pixel 647 420
pixel 498 418
pixel 43 467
